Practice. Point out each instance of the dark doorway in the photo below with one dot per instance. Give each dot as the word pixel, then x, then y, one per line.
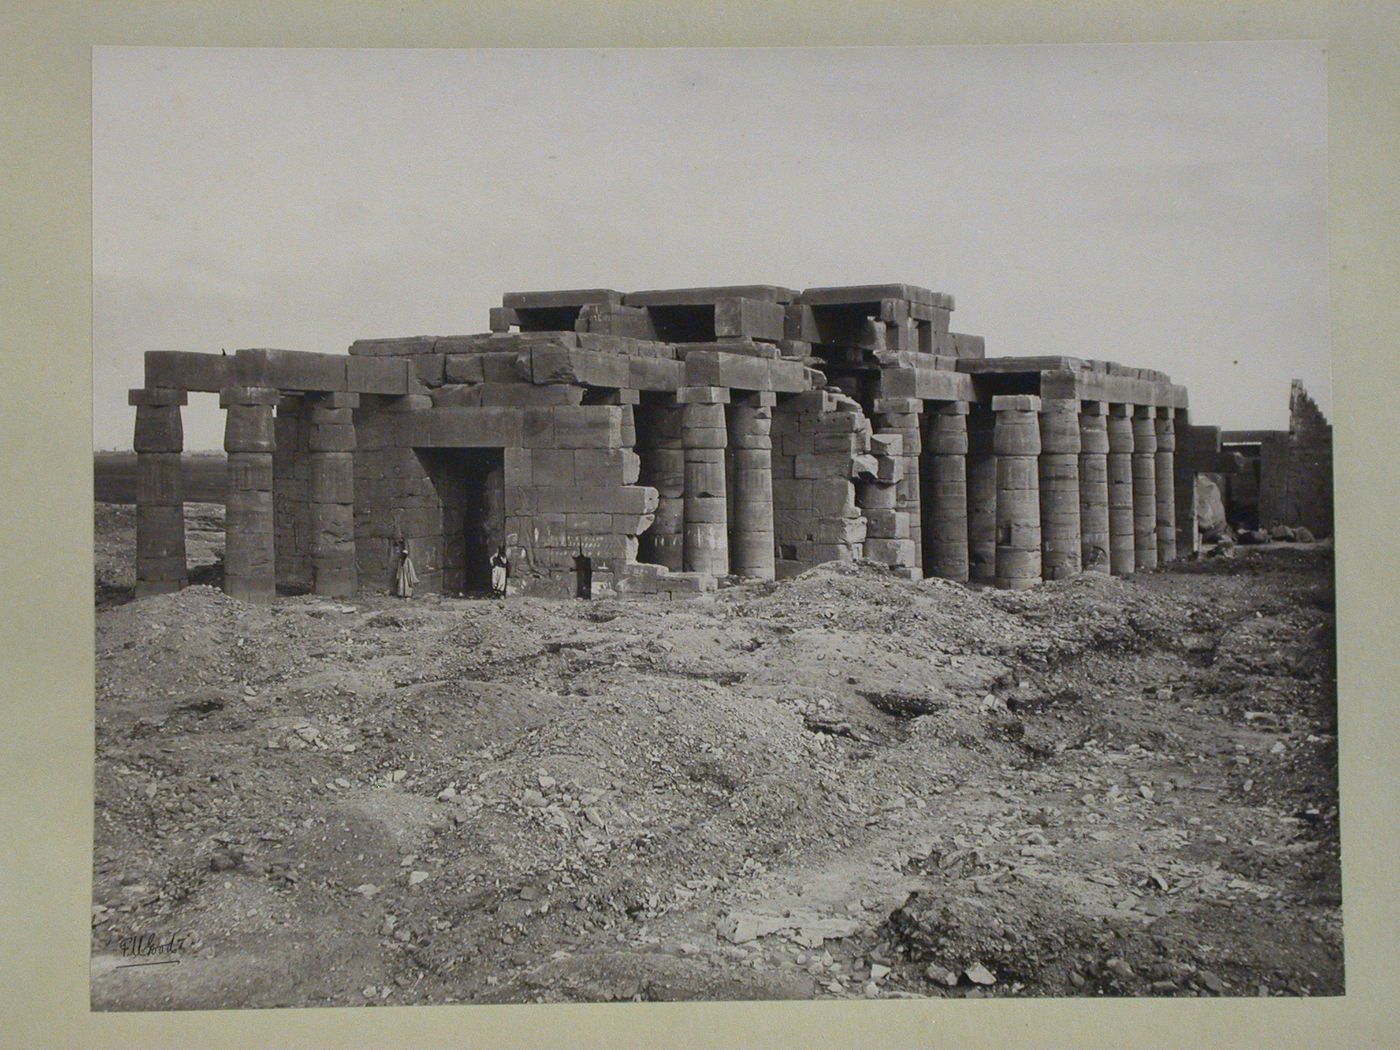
pixel 470 484
pixel 583 576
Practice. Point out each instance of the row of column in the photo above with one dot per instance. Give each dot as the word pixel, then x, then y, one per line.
pixel 249 530
pixel 1047 488
pixel 694 453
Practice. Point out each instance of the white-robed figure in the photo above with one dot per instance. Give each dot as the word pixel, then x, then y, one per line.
pixel 500 570
pixel 405 579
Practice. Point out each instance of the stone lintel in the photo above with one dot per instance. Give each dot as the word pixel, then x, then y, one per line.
pixel 185 370
pixel 1100 386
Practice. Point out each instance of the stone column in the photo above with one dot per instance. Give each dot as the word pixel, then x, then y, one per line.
pixel 1093 486
pixel 703 438
pixel 1120 490
pixel 1166 487
pixel 1060 537
pixel 249 547
pixel 1144 487
pixel 1016 442
pixel 750 426
pixel 663 468
pixel 159 440
pixel 289 505
pixel 945 499
pixel 1190 441
pixel 330 443
pixel 981 495
pixel 900 415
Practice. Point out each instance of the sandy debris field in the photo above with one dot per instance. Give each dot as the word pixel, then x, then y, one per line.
pixel 842 785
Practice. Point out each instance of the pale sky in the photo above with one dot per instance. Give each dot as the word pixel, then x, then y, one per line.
pixel 1163 206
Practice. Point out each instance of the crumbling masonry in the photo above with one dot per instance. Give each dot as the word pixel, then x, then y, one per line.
pixel 1284 476
pixel 675 437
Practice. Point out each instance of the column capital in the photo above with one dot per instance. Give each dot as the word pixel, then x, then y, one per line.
pixel 948 408
pixel 1016 403
pixel 898 405
pixel 334 399
pixel 1093 408
pixel 702 395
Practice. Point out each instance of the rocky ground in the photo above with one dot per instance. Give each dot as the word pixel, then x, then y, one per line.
pixel 844 785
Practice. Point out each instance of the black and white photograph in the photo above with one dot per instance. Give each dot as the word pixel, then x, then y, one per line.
pixel 712 524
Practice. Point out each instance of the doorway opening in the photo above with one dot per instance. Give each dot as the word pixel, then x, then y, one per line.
pixel 470 484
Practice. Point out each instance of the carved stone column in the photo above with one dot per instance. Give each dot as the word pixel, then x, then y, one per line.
pixel 1120 490
pixel 1017 447
pixel 1059 488
pixel 249 544
pixel 160 502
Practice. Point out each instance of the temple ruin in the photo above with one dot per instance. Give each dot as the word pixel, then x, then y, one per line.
pixel 1284 476
pixel 675 438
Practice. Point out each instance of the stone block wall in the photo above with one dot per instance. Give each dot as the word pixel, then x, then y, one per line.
pixel 674 437
pixel 835 486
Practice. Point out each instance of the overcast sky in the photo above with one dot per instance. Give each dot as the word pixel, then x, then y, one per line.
pixel 1159 205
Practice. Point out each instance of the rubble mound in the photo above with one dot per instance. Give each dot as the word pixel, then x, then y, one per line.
pixel 847 784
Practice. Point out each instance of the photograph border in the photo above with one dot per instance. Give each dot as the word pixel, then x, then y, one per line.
pixel 46 776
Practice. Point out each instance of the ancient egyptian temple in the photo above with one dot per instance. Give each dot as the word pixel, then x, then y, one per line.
pixel 674 438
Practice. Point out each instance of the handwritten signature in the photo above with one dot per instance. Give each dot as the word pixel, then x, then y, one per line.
pixel 150 949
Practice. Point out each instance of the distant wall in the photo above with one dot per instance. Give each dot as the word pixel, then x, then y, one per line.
pixel 205 477
pixel 1296 469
